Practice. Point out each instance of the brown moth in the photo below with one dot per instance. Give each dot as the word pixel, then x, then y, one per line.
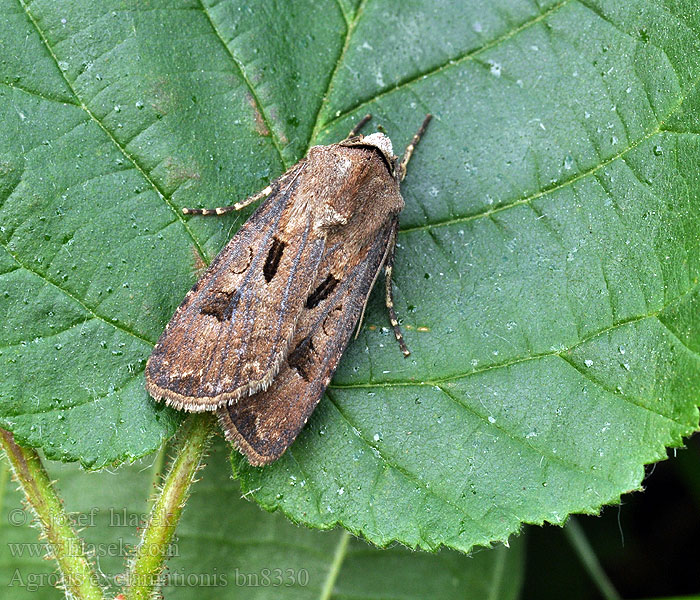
pixel 259 336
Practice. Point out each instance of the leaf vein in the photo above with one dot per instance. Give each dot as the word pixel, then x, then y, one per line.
pixel 629 399
pixel 108 133
pixel 312 486
pixel 454 377
pixel 570 465
pixel 31 92
pixel 49 409
pixel 469 55
pixel 48 336
pixel 349 30
pixel 539 194
pixel 695 353
pixel 85 307
pixel 248 83
pixel 407 474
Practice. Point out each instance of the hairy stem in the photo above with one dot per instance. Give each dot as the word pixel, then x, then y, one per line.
pixel 78 576
pixel 144 577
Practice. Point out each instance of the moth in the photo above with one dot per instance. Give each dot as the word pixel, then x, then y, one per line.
pixel 259 336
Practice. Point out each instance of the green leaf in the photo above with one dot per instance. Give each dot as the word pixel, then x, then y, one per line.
pixel 246 542
pixel 247 545
pixel 546 274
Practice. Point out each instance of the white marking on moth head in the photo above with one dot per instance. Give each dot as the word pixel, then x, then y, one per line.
pixel 380 141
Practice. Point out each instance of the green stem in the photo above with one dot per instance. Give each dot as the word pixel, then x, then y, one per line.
pixel 579 542
pixel 4 476
pixel 144 574
pixel 78 577
pixel 338 558
pixel 157 469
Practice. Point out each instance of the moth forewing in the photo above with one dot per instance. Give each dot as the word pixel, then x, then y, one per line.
pixel 232 330
pixel 262 426
pixel 260 335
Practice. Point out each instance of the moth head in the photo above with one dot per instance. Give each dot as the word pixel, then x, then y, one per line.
pixel 380 142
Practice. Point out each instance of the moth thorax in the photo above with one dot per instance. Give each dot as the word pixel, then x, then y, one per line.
pixel 333 215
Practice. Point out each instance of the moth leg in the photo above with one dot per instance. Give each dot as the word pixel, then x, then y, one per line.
pixel 359 125
pixel 411 147
pixel 387 263
pixel 389 297
pixel 222 210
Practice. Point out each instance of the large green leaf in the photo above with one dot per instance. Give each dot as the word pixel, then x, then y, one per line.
pixel 250 554
pixel 547 269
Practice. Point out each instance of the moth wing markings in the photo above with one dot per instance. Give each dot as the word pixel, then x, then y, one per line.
pixel 168 367
pixel 264 342
pixel 195 349
pixel 263 425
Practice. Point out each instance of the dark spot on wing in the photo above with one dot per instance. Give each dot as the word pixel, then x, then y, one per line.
pixel 330 322
pixel 273 259
pixel 321 292
pixel 301 358
pixel 220 305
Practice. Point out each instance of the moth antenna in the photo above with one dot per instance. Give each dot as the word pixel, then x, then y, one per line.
pixel 412 146
pixel 360 124
pixel 362 314
pixel 222 210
